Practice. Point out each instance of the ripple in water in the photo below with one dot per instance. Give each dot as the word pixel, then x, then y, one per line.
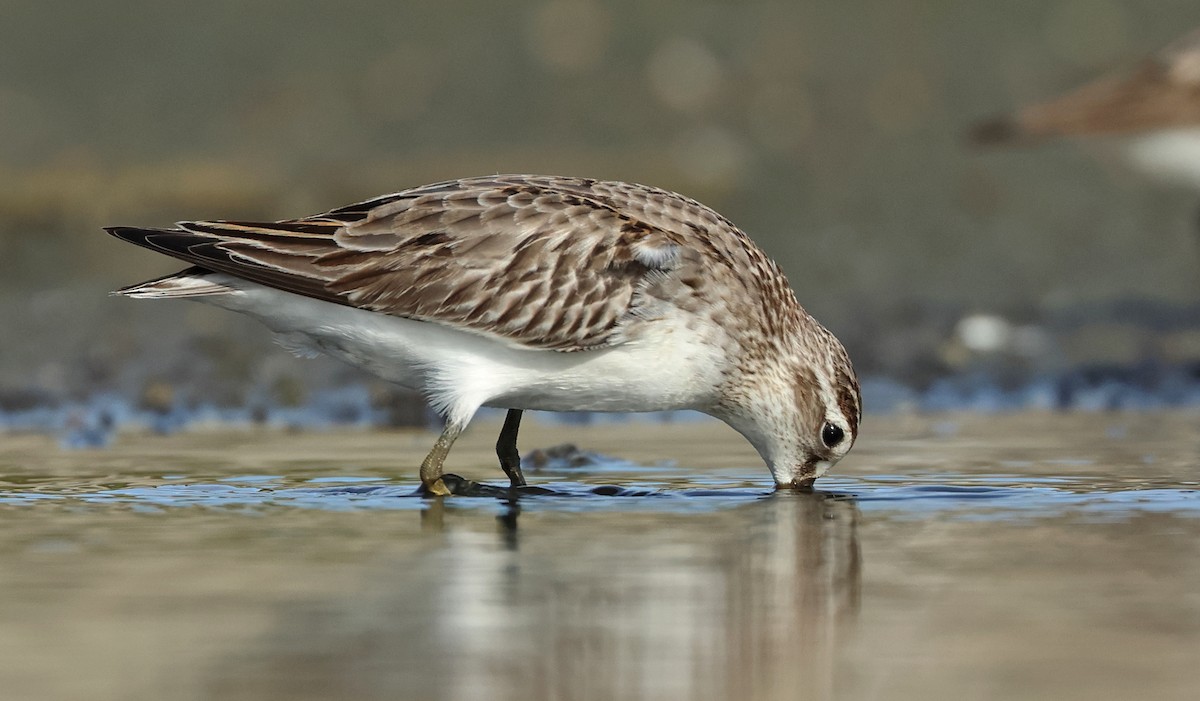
pixel 958 496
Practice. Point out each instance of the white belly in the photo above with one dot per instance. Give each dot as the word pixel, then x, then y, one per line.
pixel 1171 155
pixel 670 368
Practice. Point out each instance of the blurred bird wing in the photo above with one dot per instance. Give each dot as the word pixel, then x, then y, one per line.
pixel 1153 96
pixel 1161 92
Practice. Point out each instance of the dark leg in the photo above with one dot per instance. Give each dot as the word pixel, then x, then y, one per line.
pixel 506 448
pixel 431 468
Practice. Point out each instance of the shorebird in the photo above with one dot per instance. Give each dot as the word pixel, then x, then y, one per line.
pixel 543 293
pixel 1150 114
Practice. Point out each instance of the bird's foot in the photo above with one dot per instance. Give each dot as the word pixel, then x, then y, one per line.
pixel 463 487
pixel 454 485
pixel 451 484
pixel 436 488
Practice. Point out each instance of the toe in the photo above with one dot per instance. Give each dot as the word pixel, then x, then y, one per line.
pixel 437 488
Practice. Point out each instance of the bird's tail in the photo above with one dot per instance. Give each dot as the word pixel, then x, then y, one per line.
pixel 193 282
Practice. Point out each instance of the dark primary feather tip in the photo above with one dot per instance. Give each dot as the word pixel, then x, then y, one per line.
pixel 125 233
pixel 135 235
pixel 996 132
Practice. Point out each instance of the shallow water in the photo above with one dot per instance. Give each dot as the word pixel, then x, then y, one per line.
pixel 1028 556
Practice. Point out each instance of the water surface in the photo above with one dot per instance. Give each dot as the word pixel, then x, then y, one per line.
pixel 1029 556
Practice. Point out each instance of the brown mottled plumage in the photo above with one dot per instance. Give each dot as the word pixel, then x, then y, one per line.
pixel 582 294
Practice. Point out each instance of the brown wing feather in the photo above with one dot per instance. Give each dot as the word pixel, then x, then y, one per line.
pixel 1149 98
pixel 1161 92
pixel 550 263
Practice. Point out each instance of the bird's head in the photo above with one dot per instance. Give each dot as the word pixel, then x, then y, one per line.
pixel 800 411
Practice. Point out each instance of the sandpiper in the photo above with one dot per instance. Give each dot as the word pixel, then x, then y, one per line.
pixel 1150 114
pixel 543 293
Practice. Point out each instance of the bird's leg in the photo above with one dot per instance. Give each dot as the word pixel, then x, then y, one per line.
pixel 506 448
pixel 431 468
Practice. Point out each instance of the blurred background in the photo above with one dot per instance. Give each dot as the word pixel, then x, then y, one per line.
pixel 832 132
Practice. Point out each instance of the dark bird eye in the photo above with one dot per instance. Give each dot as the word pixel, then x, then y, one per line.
pixel 832 435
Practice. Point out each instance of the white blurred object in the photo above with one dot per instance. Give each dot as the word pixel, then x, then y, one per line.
pixel 1171 156
pixel 984 333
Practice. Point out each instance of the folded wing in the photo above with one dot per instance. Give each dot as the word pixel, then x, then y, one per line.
pixel 546 263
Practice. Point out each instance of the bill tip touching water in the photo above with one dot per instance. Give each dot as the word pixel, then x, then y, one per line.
pixel 541 293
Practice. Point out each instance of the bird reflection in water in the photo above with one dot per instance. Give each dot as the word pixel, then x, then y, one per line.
pixel 747 601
